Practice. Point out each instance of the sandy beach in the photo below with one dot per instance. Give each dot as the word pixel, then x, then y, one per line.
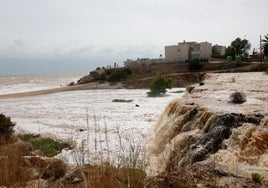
pixel 88 86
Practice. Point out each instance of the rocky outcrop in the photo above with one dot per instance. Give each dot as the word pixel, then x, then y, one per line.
pixel 91 77
pixel 204 140
pixel 50 169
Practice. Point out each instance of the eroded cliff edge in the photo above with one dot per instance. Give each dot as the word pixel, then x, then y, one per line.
pixel 203 139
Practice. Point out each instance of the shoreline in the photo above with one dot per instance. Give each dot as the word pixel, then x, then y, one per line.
pixel 89 86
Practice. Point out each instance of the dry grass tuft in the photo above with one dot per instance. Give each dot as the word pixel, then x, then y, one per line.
pixel 104 176
pixel 13 173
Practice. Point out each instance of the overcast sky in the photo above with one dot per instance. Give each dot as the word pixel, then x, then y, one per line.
pixel 38 36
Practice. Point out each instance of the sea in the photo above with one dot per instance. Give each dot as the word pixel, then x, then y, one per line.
pixel 24 83
pixel 89 119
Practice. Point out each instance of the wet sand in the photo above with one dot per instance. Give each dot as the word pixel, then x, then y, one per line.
pixel 62 89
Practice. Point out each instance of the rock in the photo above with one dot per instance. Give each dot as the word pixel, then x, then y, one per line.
pixel 91 77
pixel 75 177
pixel 37 183
pixel 85 79
pixel 49 168
pixel 71 84
pixel 189 89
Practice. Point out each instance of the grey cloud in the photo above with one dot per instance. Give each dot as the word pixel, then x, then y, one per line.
pixel 82 50
pixel 18 42
pixel 107 50
pixel 103 31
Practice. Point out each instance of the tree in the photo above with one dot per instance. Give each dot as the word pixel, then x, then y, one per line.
pixel 195 64
pixel 229 51
pixel 264 45
pixel 238 47
pixel 6 129
pixel 158 86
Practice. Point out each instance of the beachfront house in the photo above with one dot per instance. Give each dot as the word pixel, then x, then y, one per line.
pixel 185 51
pixel 219 50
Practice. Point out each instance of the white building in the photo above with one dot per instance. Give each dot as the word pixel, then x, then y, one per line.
pixel 188 50
pixel 142 61
pixel 220 50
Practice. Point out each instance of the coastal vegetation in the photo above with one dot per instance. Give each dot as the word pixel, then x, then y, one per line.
pixel 256 177
pixel 116 74
pixel 195 64
pixel 238 47
pixel 140 76
pixel 159 85
pixel 47 146
pixel 6 129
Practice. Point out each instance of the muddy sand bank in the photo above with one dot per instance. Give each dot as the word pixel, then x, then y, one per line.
pixel 88 86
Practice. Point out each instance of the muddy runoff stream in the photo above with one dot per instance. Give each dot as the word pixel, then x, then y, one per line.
pixel 194 145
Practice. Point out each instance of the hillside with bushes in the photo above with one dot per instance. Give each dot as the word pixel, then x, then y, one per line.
pixel 182 74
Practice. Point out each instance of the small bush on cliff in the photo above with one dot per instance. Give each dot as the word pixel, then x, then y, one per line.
pixel 257 178
pixel 238 97
pixel 195 64
pixel 6 129
pixel 117 75
pixel 158 86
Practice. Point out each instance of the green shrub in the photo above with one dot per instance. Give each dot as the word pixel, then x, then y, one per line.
pixel 6 128
pixel 158 86
pixel 47 146
pixel 116 75
pixel 195 64
pixel 257 177
pixel 102 77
